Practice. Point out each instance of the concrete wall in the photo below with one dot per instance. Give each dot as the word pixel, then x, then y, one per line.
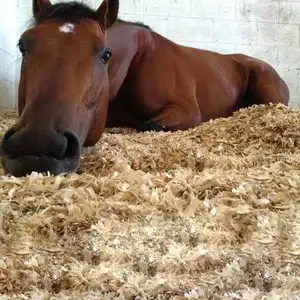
pixel 267 29
pixel 7 53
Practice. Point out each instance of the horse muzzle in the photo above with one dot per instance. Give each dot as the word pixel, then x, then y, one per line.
pixel 23 152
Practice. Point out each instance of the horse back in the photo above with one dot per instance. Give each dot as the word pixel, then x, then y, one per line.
pixel 170 74
pixel 163 73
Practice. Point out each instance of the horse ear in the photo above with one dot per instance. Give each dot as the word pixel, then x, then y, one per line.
pixel 38 6
pixel 108 12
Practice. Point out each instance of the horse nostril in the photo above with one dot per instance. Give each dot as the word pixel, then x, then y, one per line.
pixel 73 146
pixel 8 134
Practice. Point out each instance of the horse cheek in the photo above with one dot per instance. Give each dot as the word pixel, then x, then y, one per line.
pixel 98 123
pixel 21 95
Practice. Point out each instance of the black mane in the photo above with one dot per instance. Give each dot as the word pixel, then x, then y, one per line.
pixel 137 23
pixel 72 12
pixel 68 12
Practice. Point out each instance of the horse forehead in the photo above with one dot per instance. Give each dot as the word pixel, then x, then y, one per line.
pixel 67 28
pixel 81 27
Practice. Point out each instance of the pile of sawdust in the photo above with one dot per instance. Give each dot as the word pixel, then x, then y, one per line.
pixel 210 213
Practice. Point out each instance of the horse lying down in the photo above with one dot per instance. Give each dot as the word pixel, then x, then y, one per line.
pixel 84 70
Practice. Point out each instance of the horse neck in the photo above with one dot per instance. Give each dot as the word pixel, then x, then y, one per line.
pixel 127 42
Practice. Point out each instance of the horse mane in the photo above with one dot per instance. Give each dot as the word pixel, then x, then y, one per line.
pixel 73 12
pixel 137 23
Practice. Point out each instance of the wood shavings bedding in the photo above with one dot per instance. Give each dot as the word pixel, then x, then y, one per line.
pixel 210 213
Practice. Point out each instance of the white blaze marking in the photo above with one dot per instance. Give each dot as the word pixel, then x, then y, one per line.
pixel 67 28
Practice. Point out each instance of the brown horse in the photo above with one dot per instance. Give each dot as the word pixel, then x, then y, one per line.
pixel 67 95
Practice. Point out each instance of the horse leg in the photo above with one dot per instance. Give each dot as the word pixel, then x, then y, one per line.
pixel 266 86
pixel 172 118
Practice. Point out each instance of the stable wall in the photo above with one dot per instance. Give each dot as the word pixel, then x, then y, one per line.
pixel 267 29
pixel 7 53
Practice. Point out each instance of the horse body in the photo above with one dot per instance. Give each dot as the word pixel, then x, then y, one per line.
pixel 175 87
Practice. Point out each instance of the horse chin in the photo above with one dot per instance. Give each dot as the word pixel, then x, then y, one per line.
pixel 25 165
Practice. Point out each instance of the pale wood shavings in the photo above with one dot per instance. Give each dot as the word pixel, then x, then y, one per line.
pixel 209 213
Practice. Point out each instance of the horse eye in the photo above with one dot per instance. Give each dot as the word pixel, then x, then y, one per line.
pixel 106 56
pixel 21 47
